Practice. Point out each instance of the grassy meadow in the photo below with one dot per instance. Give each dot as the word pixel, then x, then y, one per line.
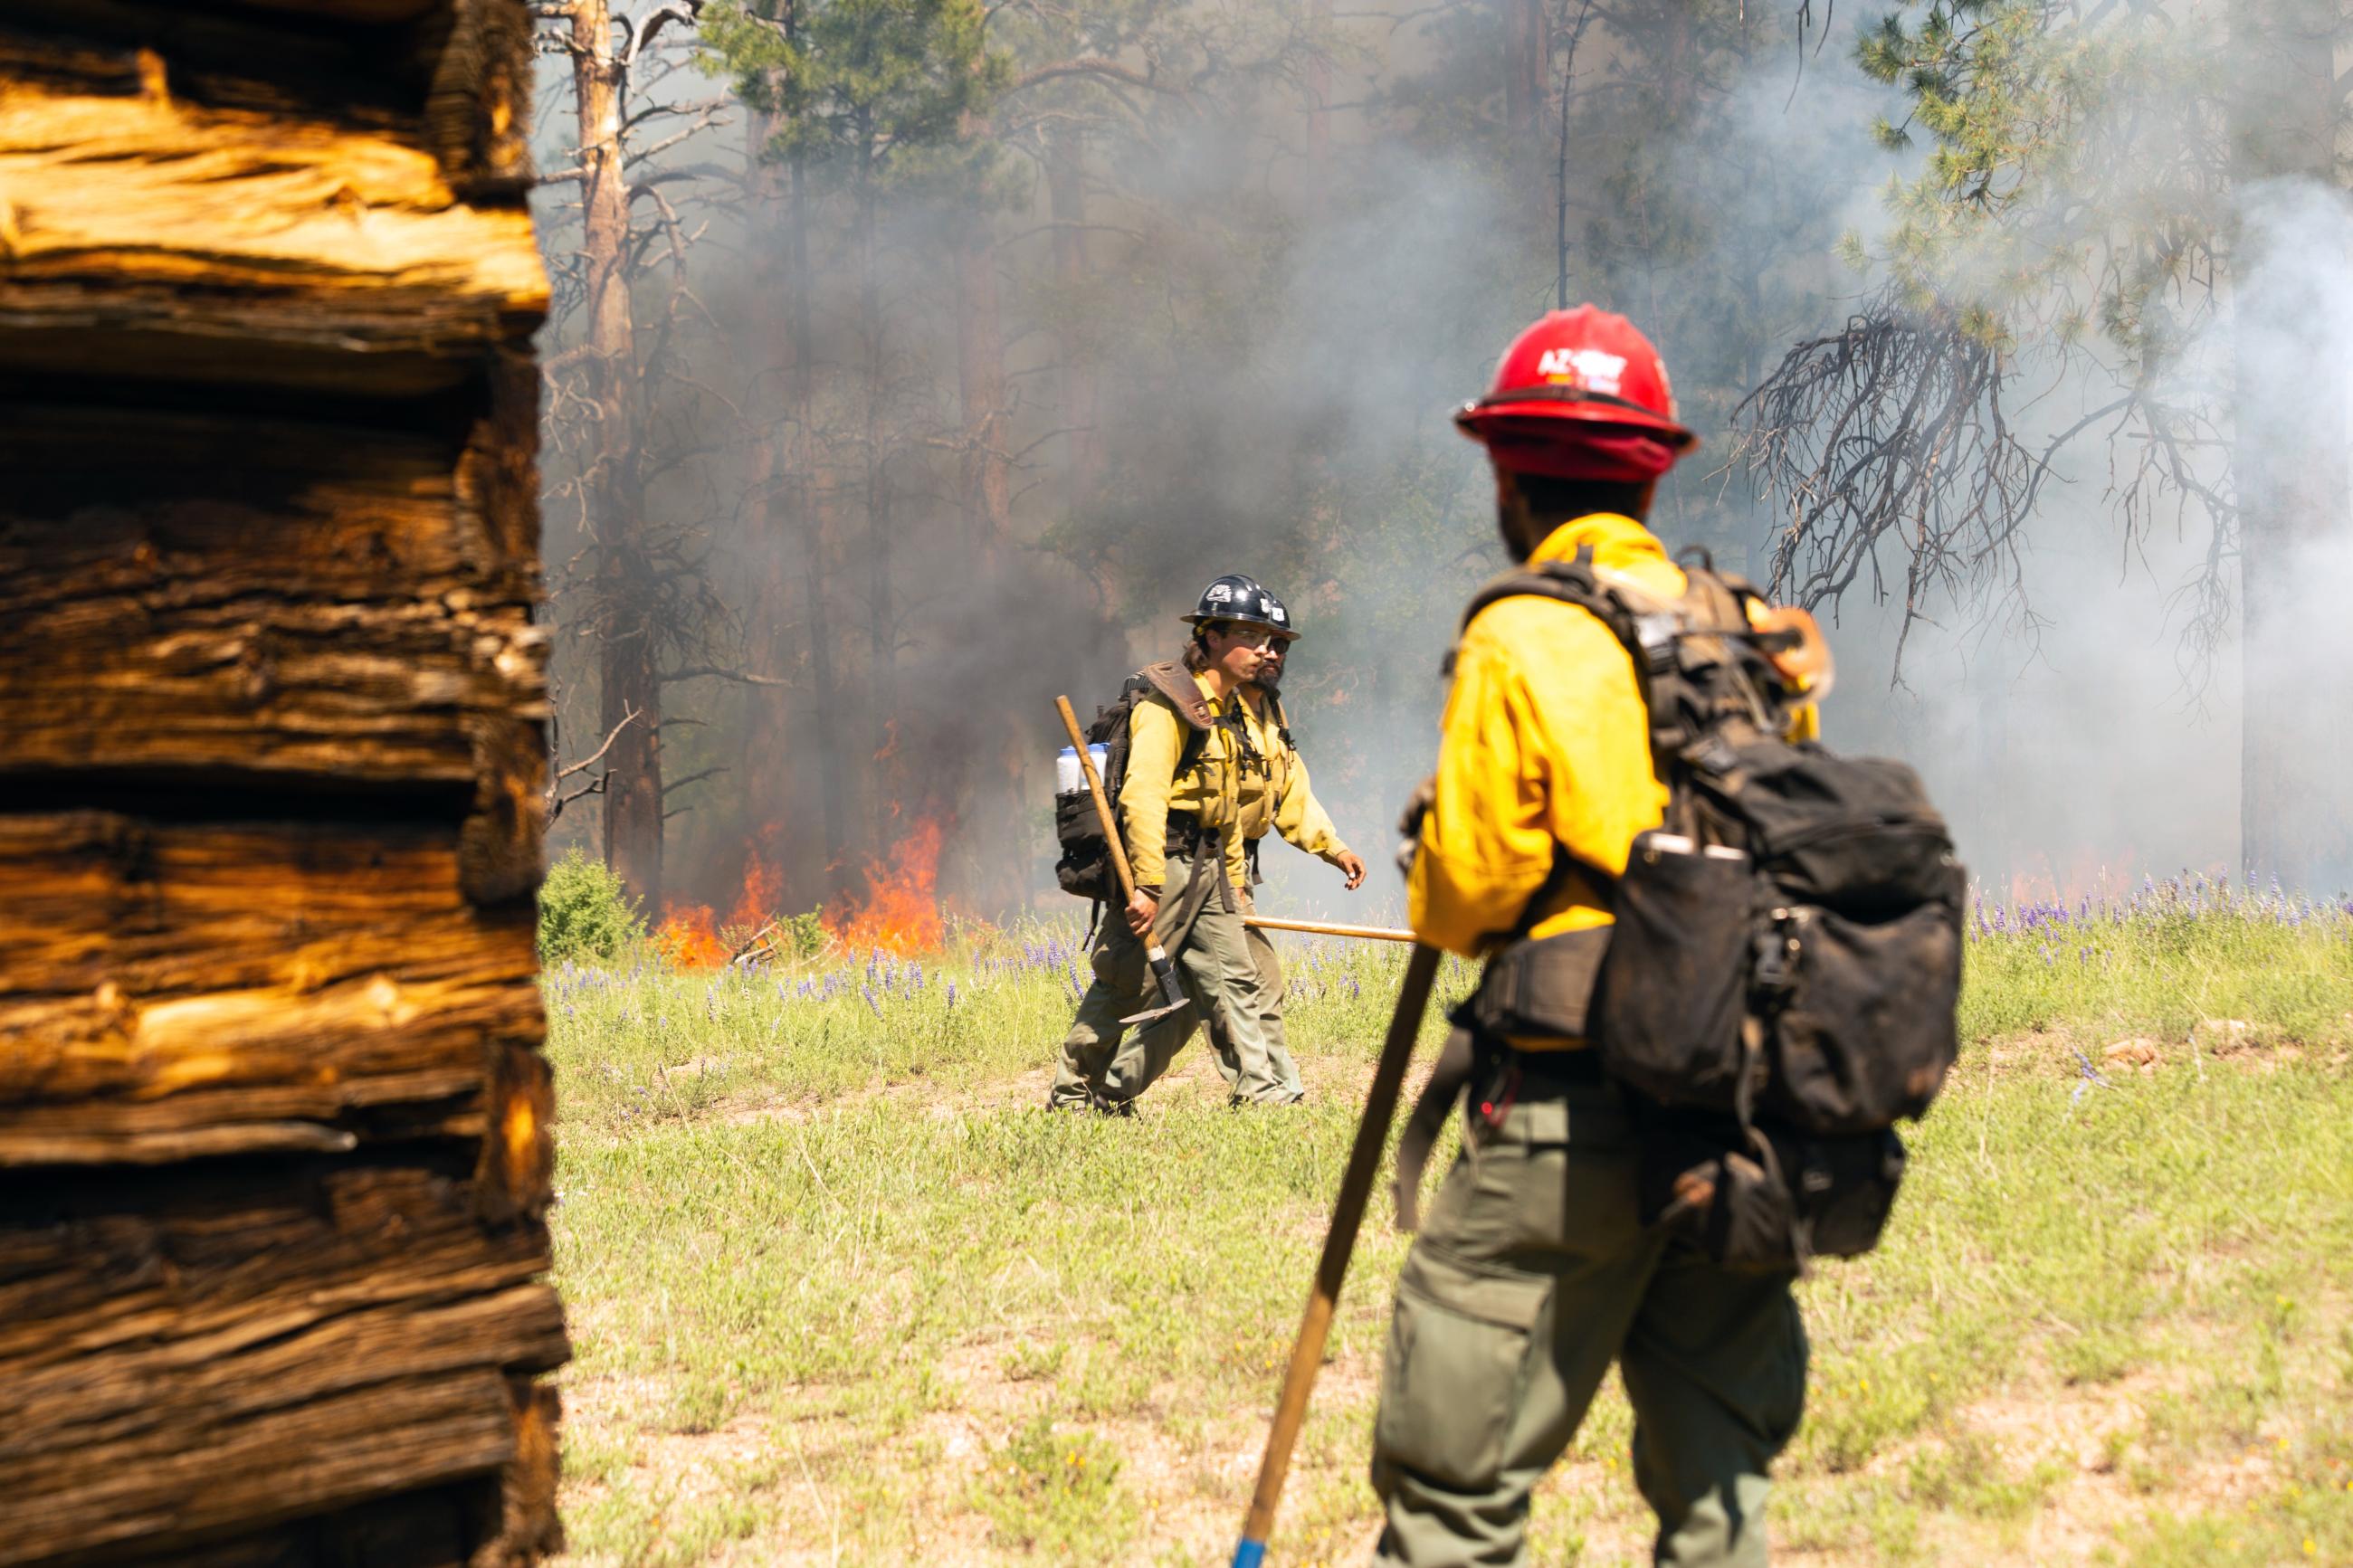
pixel 843 1292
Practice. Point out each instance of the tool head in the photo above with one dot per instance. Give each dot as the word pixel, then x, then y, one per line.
pixel 1135 1020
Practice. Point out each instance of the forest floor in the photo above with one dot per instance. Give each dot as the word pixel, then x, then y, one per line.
pixel 842 1292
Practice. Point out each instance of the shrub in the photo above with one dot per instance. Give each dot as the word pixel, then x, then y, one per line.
pixel 803 934
pixel 584 914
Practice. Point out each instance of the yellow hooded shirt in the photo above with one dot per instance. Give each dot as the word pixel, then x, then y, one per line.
pixel 1277 796
pixel 1544 741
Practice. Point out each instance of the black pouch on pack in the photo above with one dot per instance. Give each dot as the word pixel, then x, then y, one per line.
pixel 1861 1015
pixel 1084 868
pixel 1675 983
pixel 1855 835
pixel 1541 989
pixel 1767 1197
pixel 1846 1188
pixel 1701 1177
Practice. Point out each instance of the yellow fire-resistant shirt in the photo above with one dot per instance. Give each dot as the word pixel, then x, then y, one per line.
pixel 1275 794
pixel 1544 740
pixel 1210 788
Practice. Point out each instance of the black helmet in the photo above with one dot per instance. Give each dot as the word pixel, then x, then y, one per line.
pixel 1234 597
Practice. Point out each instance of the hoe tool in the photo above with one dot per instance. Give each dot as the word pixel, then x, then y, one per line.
pixel 1172 994
pixel 1356 1186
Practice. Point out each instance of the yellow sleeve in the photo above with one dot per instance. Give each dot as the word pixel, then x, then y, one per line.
pixel 1485 844
pixel 1155 740
pixel 1302 820
pixel 1546 741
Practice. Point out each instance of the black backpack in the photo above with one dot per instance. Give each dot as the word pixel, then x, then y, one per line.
pixel 1084 868
pixel 1780 985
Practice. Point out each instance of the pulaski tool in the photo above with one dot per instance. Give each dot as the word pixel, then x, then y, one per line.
pixel 1347 1212
pixel 1172 994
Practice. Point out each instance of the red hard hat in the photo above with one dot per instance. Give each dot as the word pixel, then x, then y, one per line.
pixel 1581 394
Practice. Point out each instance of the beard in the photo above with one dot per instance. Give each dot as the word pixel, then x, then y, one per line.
pixel 1270 679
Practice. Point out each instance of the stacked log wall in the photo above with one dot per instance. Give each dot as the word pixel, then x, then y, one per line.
pixel 274 1126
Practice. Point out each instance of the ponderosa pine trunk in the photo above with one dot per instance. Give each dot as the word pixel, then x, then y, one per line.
pixel 1526 51
pixel 883 765
pixel 988 757
pixel 628 671
pixel 769 620
pixel 1066 198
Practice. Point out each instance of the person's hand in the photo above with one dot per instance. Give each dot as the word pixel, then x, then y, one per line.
pixel 1351 867
pixel 1143 908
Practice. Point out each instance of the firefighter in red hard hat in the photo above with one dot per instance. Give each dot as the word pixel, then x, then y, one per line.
pixel 1533 1273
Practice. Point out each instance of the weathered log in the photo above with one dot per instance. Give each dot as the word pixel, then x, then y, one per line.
pixel 184 989
pixel 138 230
pixel 190 1356
pixel 274 1131
pixel 354 613
pixel 449 79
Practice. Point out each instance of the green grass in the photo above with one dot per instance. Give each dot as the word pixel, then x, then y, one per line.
pixel 842 1292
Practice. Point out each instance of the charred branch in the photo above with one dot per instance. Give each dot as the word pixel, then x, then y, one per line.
pixel 1891 432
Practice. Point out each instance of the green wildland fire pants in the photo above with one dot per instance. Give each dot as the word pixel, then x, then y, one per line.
pixel 1200 926
pixel 1155 1046
pixel 1531 1275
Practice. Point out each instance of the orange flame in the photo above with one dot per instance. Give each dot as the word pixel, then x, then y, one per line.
pixel 901 910
pixel 755 906
pixel 688 938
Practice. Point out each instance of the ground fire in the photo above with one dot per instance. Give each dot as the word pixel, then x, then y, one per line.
pixel 899 912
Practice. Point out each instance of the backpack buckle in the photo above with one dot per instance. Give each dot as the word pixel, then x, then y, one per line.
pixel 1657 633
pixel 1774 961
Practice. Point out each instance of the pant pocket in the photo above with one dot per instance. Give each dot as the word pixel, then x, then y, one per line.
pixel 1457 1369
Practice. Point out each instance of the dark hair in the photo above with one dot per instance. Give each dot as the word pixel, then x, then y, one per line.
pixel 1197 652
pixel 1554 501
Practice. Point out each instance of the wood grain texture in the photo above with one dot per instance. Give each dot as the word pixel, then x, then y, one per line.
pixel 139 231
pixel 355 611
pixel 275 1132
pixel 174 990
pixel 226 1351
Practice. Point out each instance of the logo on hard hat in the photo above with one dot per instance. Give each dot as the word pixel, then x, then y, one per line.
pixel 1219 591
pixel 1590 369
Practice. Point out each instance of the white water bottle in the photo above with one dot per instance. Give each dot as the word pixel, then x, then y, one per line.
pixel 1069 778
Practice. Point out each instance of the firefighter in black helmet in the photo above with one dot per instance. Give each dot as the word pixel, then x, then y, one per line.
pixel 1177 802
pixel 1274 794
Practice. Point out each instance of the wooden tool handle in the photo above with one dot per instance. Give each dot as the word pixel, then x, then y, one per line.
pixel 1102 802
pixel 1347 1214
pixel 1322 928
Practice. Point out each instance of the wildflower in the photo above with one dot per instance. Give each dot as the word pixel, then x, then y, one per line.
pixel 871 1002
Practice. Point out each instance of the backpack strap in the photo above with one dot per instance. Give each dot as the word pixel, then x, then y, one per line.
pixel 1170 680
pixel 1281 722
pixel 1693 658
